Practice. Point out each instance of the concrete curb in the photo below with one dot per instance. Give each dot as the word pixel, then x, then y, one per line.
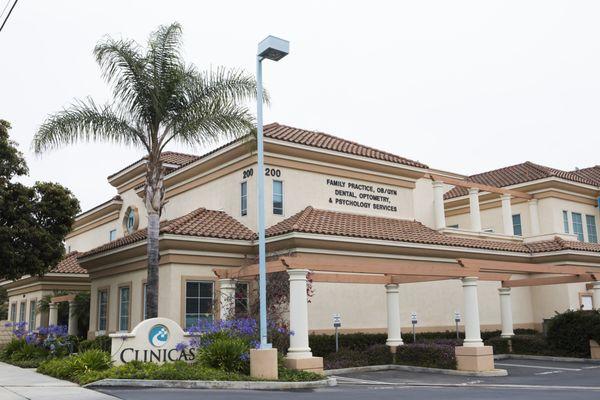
pixel 235 385
pixel 410 368
pixel 543 358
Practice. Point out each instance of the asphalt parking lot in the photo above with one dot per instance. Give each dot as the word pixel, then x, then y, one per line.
pixel 528 379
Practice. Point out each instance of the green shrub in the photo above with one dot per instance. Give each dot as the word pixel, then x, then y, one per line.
pixel 499 344
pixel 22 354
pixel 345 358
pixel 426 355
pixel 227 354
pixel 100 343
pixel 322 345
pixel 571 331
pixel 70 368
pixel 530 344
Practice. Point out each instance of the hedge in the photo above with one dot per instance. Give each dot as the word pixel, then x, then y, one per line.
pixel 521 344
pixel 571 331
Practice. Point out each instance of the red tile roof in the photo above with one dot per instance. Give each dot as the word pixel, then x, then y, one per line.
pixel 591 174
pixel 515 174
pixel 69 265
pixel 201 223
pixel 329 142
pixel 167 157
pixel 324 222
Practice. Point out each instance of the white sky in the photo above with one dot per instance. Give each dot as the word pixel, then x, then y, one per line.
pixel 461 86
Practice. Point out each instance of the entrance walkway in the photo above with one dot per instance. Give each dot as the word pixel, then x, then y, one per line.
pixel 22 384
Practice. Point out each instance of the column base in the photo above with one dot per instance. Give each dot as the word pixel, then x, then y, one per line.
pixel 474 358
pixel 594 350
pixel 263 364
pixel 394 342
pixel 312 364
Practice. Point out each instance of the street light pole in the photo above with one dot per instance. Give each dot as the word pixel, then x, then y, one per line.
pixel 275 49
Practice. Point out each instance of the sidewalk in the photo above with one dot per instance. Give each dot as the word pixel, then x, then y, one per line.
pixel 22 384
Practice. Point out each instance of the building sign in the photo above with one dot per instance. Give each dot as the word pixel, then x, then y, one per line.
pixel 352 194
pixel 152 340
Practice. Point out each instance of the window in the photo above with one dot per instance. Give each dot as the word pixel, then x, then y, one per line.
pixel 22 311
pixel 32 312
pixel 455 226
pixel 585 301
pixel 517 228
pixel 130 223
pixel 241 299
pixel 566 221
pixel 124 292
pixel 112 235
pixel 577 226
pixel 244 198
pixel 198 302
pixel 278 197
pixel 590 221
pixel 144 297
pixel 102 309
pixel 13 312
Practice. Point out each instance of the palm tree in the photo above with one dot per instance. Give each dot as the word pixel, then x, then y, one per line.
pixel 157 100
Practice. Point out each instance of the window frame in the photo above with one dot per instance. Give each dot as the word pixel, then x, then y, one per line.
pixel 112 235
pixel 273 197
pixel 32 316
pixel 566 223
pixel 246 299
pixel 144 296
pixel 119 299
pixel 580 223
pixel 13 311
pixel 520 225
pixel 22 311
pixel 244 198
pixel 184 298
pixel 107 308
pixel 586 294
pixel 592 237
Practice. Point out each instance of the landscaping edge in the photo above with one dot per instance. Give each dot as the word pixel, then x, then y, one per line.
pixel 176 384
pixel 543 358
pixel 410 368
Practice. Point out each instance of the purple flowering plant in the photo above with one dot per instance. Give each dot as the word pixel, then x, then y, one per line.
pixel 53 339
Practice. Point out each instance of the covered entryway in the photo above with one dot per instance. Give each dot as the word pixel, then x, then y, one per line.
pixel 392 274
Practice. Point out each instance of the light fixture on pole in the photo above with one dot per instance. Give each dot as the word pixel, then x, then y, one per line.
pixel 456 321
pixel 271 48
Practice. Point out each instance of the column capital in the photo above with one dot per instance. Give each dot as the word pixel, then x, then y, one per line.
pixel 392 287
pixel 297 274
pixel 469 281
pixel 53 305
pixel 227 283
pixel 533 201
pixel 504 291
pixel 473 191
pixel 506 196
pixel 438 184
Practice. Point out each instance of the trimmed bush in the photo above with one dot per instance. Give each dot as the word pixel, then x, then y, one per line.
pixel 530 344
pixel 99 343
pixel 322 345
pixel 499 344
pixel 571 331
pixel 72 367
pixel 346 358
pixel 226 354
pixel 429 355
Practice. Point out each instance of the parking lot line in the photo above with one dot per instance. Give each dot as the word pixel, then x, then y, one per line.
pixel 538 367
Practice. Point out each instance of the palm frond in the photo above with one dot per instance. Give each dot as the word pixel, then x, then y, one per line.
pixel 85 121
pixel 125 68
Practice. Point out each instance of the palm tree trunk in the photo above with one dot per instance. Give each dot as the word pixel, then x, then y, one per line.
pixel 154 203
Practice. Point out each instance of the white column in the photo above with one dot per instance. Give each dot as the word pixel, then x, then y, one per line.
pixel 596 294
pixel 227 298
pixel 534 219
pixel 393 315
pixel 298 315
pixel 506 312
pixel 53 314
pixel 72 326
pixel 507 215
pixel 438 205
pixel 474 209
pixel 471 317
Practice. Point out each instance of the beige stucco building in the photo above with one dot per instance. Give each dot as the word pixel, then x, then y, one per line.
pixel 338 203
